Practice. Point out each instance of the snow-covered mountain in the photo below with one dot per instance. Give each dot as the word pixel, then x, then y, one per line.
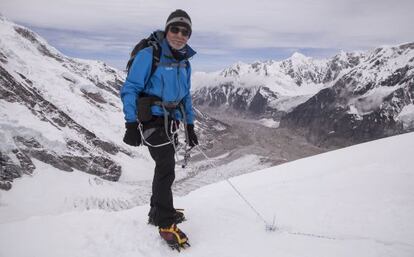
pixel 357 201
pixel 372 100
pixel 59 110
pixel 271 88
pixel 351 97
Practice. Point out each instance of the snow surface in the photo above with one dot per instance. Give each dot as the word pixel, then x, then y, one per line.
pixel 357 201
pixel 270 123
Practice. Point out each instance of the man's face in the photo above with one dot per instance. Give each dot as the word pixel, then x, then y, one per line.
pixel 177 36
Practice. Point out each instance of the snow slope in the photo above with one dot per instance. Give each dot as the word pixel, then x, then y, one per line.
pixel 357 201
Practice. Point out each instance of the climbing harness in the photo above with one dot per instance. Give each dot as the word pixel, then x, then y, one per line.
pixel 170 126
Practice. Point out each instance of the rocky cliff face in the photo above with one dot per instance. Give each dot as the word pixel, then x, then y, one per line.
pixel 49 106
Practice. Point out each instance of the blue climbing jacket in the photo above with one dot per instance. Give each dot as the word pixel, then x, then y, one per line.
pixel 171 82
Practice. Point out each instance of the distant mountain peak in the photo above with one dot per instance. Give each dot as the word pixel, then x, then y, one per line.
pixel 299 56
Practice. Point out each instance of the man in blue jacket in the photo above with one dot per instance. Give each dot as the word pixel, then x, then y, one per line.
pixel 165 96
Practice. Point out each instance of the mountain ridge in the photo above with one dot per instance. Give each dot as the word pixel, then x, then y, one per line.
pixel 286 90
pixel 62 97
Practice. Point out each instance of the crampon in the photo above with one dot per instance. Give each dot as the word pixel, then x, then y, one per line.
pixel 175 238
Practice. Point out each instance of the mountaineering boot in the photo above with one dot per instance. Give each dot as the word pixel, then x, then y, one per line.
pixel 174 237
pixel 178 216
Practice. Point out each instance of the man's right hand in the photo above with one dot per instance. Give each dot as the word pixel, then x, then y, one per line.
pixel 132 135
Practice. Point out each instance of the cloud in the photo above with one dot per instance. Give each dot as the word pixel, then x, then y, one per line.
pixel 220 27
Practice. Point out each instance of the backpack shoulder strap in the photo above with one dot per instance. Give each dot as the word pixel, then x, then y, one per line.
pixel 153 41
pixel 156 56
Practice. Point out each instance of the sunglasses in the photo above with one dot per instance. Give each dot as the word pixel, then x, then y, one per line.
pixel 184 32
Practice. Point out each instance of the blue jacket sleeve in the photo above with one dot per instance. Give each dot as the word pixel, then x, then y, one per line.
pixel 188 104
pixel 135 83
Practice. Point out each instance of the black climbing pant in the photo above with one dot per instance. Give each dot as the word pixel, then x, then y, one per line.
pixel 162 207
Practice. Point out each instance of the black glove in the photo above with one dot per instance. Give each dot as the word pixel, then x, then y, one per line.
pixel 132 135
pixel 191 135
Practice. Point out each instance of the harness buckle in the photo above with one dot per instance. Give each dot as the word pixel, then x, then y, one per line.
pixel 168 105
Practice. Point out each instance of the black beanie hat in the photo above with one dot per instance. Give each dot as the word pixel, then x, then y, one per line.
pixel 178 18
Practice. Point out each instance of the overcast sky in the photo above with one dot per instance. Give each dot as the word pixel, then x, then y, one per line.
pixel 223 31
